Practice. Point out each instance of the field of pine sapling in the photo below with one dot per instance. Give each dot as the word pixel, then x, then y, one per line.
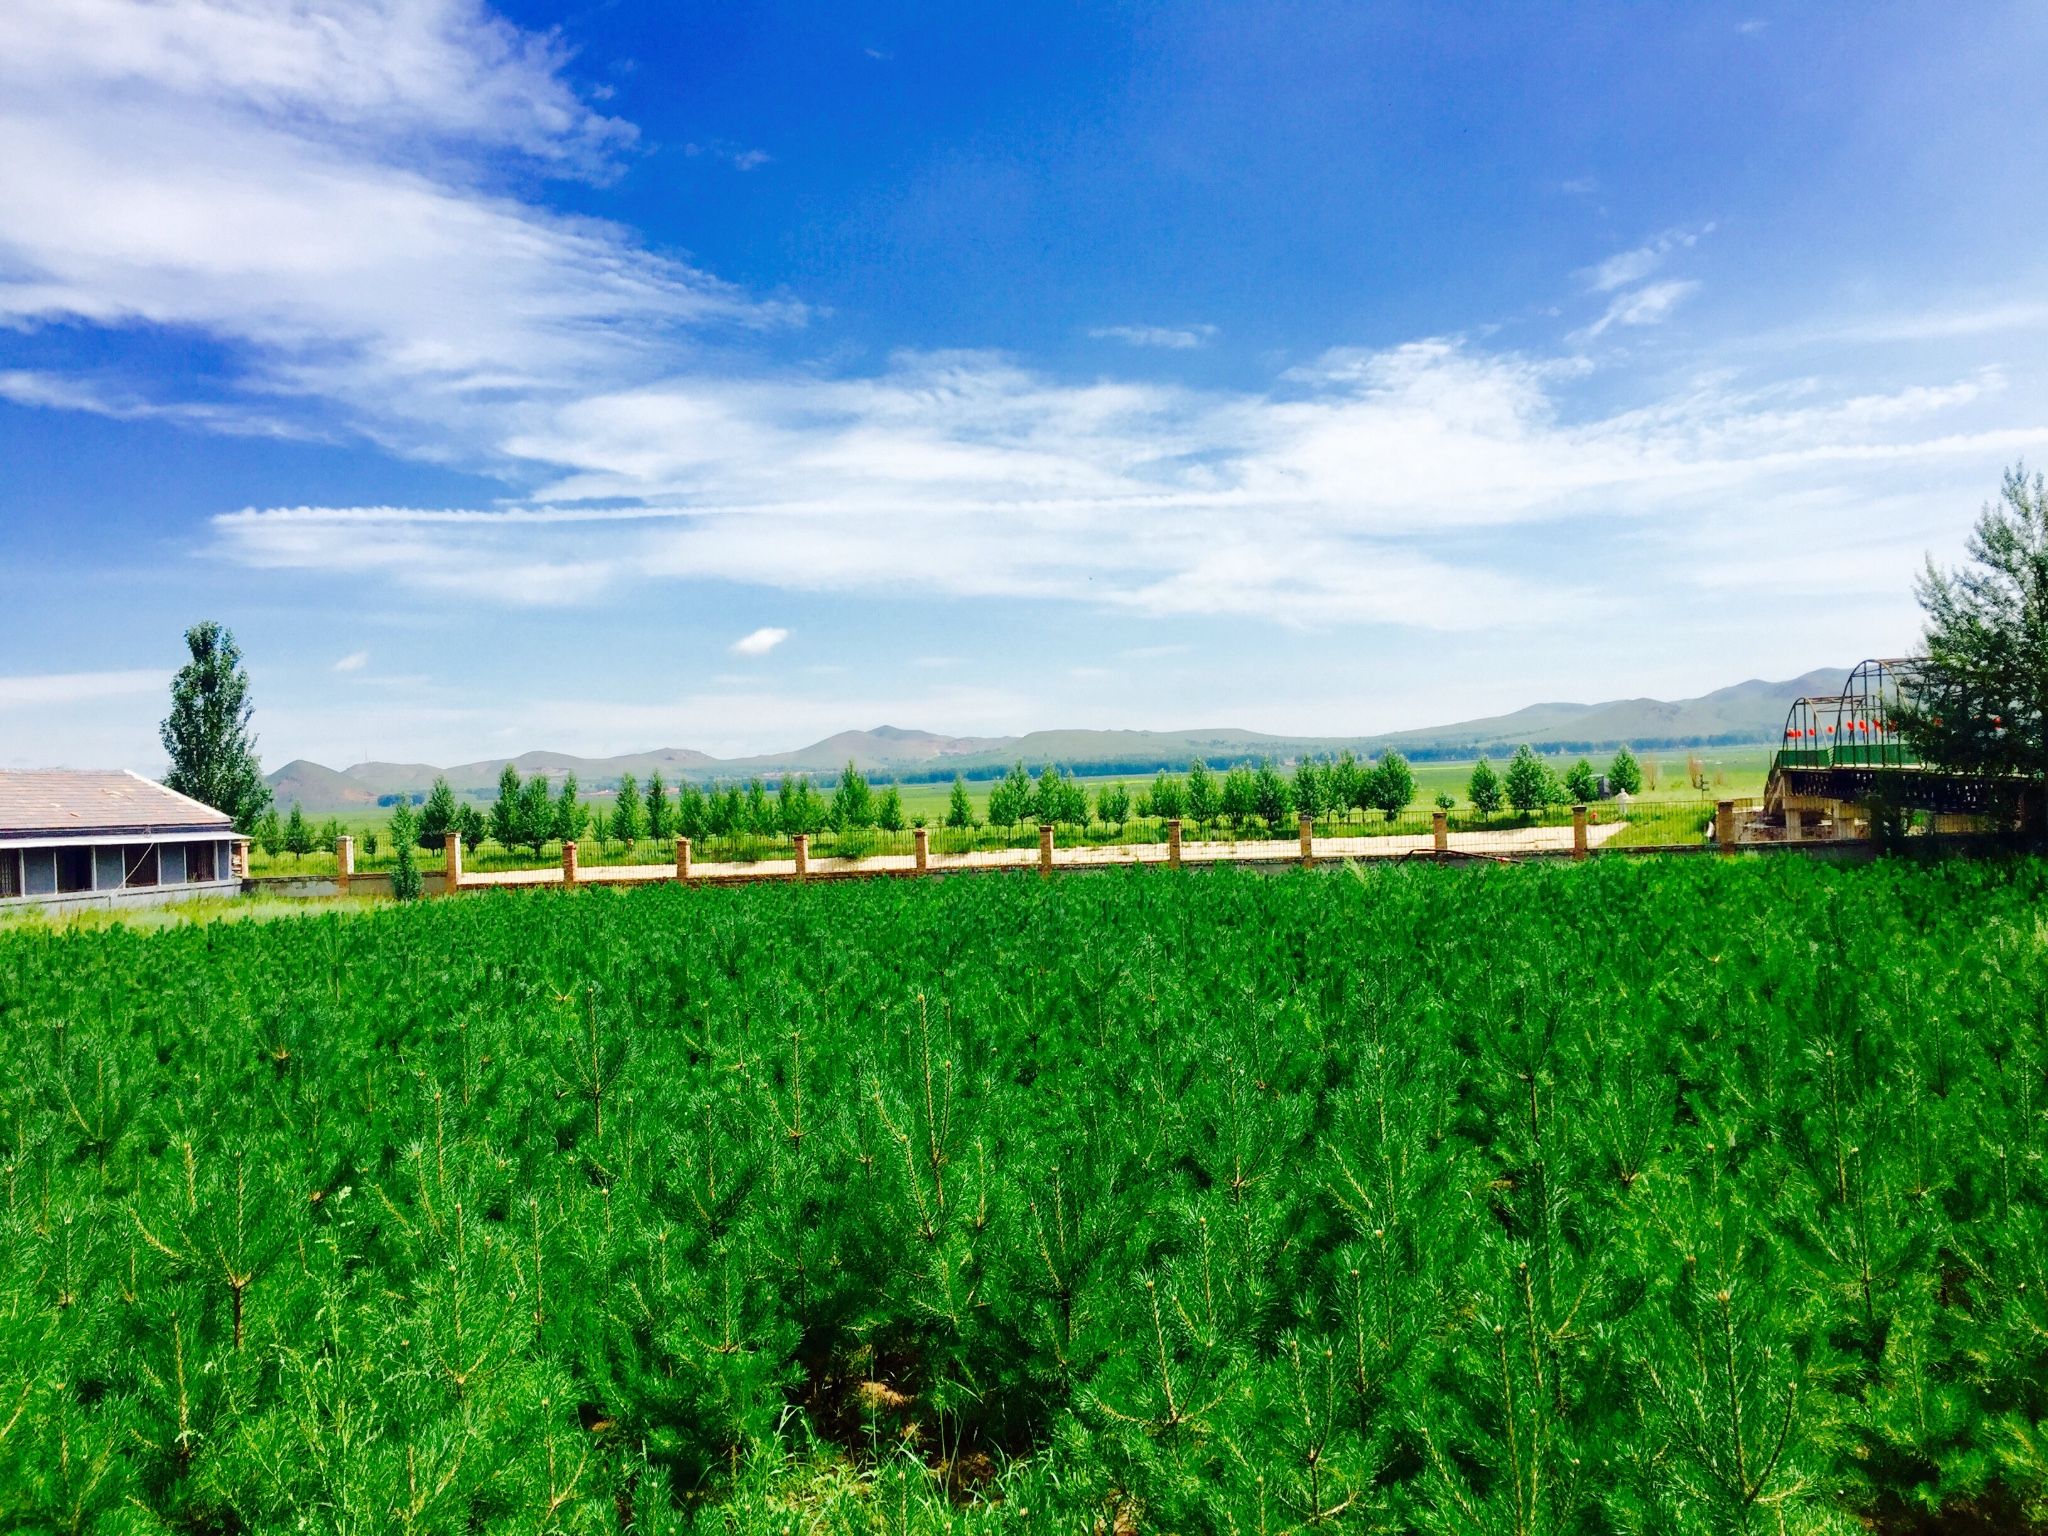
pixel 1634 1197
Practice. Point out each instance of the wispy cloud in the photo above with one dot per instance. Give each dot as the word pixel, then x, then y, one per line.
pixel 1631 266
pixel 760 642
pixel 1650 304
pixel 1368 487
pixel 78 687
pixel 307 188
pixel 354 661
pixel 1180 338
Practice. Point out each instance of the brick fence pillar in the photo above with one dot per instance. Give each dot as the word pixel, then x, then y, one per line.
pixel 344 861
pixel 1440 831
pixel 1724 825
pixel 682 858
pixel 924 848
pixel 568 863
pixel 1045 850
pixel 1173 842
pixel 1578 831
pixel 1308 841
pixel 451 855
pixel 803 854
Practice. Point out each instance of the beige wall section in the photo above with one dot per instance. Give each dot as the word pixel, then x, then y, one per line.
pixel 451 861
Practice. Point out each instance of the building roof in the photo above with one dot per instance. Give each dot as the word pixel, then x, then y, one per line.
pixel 67 803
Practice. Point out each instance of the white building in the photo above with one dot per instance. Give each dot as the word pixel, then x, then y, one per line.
pixel 110 839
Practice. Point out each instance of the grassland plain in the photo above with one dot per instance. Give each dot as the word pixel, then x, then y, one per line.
pixel 1678 1196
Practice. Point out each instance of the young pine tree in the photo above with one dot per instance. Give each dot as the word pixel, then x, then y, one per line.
pixel 1204 796
pixel 470 825
pixel 627 823
pixel 661 822
pixel 298 837
pixel 1168 799
pixel 405 874
pixel 959 809
pixel 571 817
pixel 437 816
pixel 505 809
pixel 1625 774
pixel 536 814
pixel 853 805
pixel 889 810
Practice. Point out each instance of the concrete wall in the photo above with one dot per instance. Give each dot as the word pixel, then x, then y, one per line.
pixel 131 897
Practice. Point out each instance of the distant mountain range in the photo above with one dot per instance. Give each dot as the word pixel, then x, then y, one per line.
pixel 1751 712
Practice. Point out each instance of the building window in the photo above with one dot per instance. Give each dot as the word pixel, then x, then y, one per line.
pixel 199 862
pixel 38 872
pixel 10 872
pixel 74 870
pixel 141 860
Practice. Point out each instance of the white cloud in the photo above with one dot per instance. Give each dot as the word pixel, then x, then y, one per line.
pixel 306 182
pixel 760 642
pixel 1374 486
pixel 78 687
pixel 354 661
pixel 752 159
pixel 1173 338
pixel 1650 304
pixel 1625 268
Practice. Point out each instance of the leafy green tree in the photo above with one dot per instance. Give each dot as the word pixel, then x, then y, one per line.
pixel 206 734
pixel 1311 786
pixel 437 817
pixel 1344 782
pixel 1981 704
pixel 1445 800
pixel 571 817
pixel 1168 799
pixel 1010 798
pixel 1073 806
pixel 405 874
pixel 269 832
pixel 1204 796
pixel 1582 783
pixel 959 809
pixel 370 844
pixel 755 812
pixel 298 837
pixel 1625 774
pixel 1049 797
pixel 853 804
pixel 470 825
pixel 1529 782
pixel 536 820
pixel 505 809
pixel 1390 786
pixel 889 810
pixel 661 823
pixel 801 808
pixel 627 822
pixel 1238 799
pixel 1113 805
pixel 1272 797
pixel 1483 788
pixel 690 811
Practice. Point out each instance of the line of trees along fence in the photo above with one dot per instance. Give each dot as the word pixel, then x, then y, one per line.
pixel 749 820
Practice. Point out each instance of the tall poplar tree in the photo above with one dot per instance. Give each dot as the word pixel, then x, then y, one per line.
pixel 212 752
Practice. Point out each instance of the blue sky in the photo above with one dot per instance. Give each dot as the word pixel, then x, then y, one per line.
pixel 624 374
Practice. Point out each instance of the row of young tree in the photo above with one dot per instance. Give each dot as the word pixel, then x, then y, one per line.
pixel 1530 784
